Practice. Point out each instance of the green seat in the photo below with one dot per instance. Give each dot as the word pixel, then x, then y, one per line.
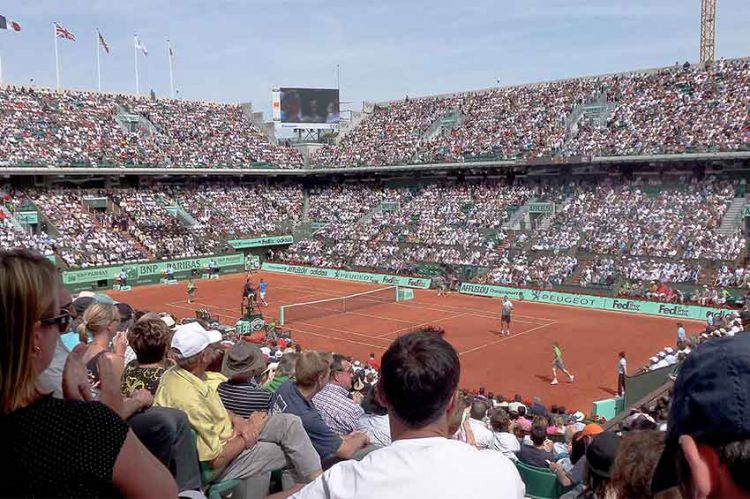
pixel 213 490
pixel 540 483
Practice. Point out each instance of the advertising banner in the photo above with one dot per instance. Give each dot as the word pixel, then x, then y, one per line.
pixel 346 275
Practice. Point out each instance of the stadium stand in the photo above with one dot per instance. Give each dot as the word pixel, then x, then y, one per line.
pixel 614 115
pixel 68 128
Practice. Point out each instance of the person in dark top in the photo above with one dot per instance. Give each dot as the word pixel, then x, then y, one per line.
pixel 149 340
pixel 536 455
pixel 52 447
pixel 248 295
pixel 241 394
pixel 295 397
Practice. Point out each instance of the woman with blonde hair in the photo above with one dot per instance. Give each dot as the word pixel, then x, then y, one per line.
pixel 54 447
pixel 100 320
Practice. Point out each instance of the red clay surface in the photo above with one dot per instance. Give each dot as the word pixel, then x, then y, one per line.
pixel 590 339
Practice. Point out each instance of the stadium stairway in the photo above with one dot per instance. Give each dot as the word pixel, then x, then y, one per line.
pixel 733 217
pixel 305 206
pixel 447 121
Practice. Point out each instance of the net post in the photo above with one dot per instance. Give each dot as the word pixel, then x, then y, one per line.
pixel 398 293
pixel 281 315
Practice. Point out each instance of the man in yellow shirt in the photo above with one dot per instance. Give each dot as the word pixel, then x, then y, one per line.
pixel 233 447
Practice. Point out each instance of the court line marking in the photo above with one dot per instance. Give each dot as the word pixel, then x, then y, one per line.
pixel 422 306
pixel 460 309
pixel 426 306
pixel 336 338
pixel 182 306
pixel 506 338
pixel 416 326
pixel 474 311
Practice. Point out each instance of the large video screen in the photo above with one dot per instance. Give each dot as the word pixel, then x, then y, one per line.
pixel 317 107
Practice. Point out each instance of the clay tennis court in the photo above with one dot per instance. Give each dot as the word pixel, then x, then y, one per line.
pixel 590 339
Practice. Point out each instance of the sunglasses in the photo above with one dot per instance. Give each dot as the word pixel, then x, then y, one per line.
pixel 62 322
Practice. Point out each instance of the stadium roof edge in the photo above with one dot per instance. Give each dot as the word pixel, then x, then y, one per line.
pixel 540 83
pixel 7 171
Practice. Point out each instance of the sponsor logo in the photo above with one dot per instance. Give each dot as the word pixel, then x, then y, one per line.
pixel 319 272
pixel 675 311
pixel 628 305
pixel 479 289
pixel 257 324
pixel 387 279
pixel 417 283
pixel 563 299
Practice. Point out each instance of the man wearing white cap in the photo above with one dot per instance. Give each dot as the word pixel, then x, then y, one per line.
pixel 235 447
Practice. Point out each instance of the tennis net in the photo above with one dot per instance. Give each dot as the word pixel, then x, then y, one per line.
pixel 331 306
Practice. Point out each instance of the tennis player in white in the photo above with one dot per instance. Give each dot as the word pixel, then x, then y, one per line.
pixel 505 312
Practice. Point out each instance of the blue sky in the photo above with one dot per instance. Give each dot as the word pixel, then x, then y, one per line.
pixel 238 50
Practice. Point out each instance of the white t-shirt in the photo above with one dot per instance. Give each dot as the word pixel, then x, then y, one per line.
pixel 482 435
pixel 507 308
pixel 433 467
pixel 377 429
pixel 507 443
pixel 622 365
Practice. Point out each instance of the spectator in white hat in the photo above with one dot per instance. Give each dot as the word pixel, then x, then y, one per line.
pixel 235 447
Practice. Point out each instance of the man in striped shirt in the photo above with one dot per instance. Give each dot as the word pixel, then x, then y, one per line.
pixel 339 411
pixel 240 394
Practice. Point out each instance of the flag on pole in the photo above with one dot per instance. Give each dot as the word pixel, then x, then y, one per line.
pixel 103 43
pixel 140 46
pixel 61 32
pixel 6 23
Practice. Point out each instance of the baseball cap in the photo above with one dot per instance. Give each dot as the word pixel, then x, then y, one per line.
pixel 709 402
pixel 601 453
pixel 590 430
pixel 190 339
pixel 214 336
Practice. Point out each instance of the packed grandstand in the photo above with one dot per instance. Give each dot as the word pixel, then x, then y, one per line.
pixel 672 231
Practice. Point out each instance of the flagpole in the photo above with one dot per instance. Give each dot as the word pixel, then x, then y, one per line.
pixel 135 54
pixel 98 62
pixel 57 55
pixel 171 70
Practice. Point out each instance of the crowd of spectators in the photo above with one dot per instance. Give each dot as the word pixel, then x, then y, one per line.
pixel 598 272
pixel 81 240
pixel 673 110
pixel 391 135
pixel 542 272
pixel 625 218
pixel 153 226
pixel 396 426
pixel 676 110
pixel 53 128
pixel 727 276
pixel 235 211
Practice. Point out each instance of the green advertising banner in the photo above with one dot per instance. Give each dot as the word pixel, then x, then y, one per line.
pixel 674 310
pixel 541 207
pixel 148 269
pixel 746 210
pixel 261 241
pixel 346 275
pixel 27 217
pixel 90 275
